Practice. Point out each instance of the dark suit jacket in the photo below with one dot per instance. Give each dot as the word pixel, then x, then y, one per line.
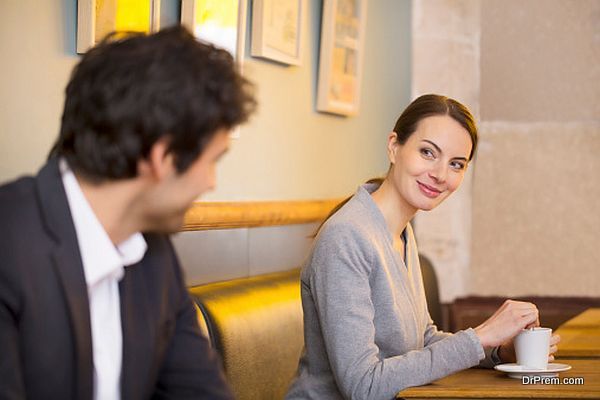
pixel 45 336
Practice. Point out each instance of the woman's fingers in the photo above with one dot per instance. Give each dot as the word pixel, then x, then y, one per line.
pixel 531 318
pixel 554 340
pixel 507 322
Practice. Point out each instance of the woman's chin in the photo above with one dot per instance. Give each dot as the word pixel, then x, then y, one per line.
pixel 427 208
pixel 427 205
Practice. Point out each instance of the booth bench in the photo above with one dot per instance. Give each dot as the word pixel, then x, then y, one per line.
pixel 255 324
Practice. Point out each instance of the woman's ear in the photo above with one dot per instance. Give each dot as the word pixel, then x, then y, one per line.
pixel 392 146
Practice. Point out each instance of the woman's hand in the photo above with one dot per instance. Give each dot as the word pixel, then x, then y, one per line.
pixel 554 340
pixel 507 322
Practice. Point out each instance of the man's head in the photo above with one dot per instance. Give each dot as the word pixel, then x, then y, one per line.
pixel 127 94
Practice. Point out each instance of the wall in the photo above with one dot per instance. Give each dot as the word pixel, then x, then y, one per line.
pixel 536 211
pixel 526 221
pixel 445 60
pixel 37 43
pixel 317 155
pixel 320 155
pixel 287 151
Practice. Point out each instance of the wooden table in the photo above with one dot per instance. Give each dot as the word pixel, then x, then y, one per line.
pixel 580 336
pixel 589 319
pixel 484 383
pixel 578 343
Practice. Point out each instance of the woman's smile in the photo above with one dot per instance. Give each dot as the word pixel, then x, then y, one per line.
pixel 429 191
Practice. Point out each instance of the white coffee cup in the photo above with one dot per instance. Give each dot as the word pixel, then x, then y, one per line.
pixel 532 347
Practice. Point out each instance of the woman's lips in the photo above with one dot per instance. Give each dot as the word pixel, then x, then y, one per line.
pixel 429 191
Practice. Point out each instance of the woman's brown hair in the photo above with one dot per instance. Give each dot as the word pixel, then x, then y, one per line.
pixel 434 104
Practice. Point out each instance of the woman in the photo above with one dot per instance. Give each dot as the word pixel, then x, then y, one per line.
pixel 367 331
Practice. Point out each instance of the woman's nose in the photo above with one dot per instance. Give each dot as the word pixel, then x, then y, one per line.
pixel 439 173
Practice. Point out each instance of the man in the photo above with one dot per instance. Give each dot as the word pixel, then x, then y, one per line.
pixel 91 308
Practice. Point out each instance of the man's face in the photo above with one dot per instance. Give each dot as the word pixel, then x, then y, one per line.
pixel 175 192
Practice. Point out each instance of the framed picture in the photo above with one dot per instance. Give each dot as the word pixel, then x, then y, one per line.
pixel 277 30
pixel 220 22
pixel 341 56
pixel 97 18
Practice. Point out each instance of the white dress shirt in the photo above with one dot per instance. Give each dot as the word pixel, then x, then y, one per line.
pixel 103 266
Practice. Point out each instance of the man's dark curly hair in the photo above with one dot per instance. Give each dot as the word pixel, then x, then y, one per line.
pixel 128 92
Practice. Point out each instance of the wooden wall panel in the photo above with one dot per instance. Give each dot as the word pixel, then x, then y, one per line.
pixel 229 215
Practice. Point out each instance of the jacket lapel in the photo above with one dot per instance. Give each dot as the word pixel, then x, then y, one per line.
pixel 138 333
pixel 67 262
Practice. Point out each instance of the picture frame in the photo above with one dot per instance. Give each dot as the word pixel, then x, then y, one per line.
pixel 277 30
pixel 341 56
pixel 97 18
pixel 220 22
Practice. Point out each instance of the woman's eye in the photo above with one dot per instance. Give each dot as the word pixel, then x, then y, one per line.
pixel 427 152
pixel 457 165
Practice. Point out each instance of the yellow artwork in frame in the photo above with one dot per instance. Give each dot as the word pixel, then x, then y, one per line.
pixel 98 18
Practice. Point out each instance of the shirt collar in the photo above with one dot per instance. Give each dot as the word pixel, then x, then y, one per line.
pixel 100 257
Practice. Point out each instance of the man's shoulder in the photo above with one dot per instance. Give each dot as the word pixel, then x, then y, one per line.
pixel 20 221
pixel 18 187
pixel 17 196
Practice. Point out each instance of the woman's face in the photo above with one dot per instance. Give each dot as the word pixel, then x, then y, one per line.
pixel 432 163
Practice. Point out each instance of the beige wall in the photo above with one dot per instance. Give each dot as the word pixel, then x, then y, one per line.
pixel 527 219
pixel 540 60
pixel 536 212
pixel 288 151
pixel 536 207
pixel 445 60
pixel 37 44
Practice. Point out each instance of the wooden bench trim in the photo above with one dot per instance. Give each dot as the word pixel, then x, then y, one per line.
pixel 247 214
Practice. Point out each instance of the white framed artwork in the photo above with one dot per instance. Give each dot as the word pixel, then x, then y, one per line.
pixel 341 56
pixel 277 30
pixel 220 22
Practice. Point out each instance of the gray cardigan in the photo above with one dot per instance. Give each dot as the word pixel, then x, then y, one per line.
pixel 367 331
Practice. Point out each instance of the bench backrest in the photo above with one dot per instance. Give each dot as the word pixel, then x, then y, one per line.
pixel 256 325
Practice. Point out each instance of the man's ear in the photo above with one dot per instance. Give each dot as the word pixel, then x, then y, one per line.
pixel 392 146
pixel 159 163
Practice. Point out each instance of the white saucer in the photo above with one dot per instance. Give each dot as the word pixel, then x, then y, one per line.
pixel 518 371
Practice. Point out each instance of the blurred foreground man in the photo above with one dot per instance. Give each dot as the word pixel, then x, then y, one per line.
pixel 92 300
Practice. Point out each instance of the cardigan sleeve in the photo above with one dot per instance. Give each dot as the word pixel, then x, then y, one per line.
pixel 433 335
pixel 339 282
